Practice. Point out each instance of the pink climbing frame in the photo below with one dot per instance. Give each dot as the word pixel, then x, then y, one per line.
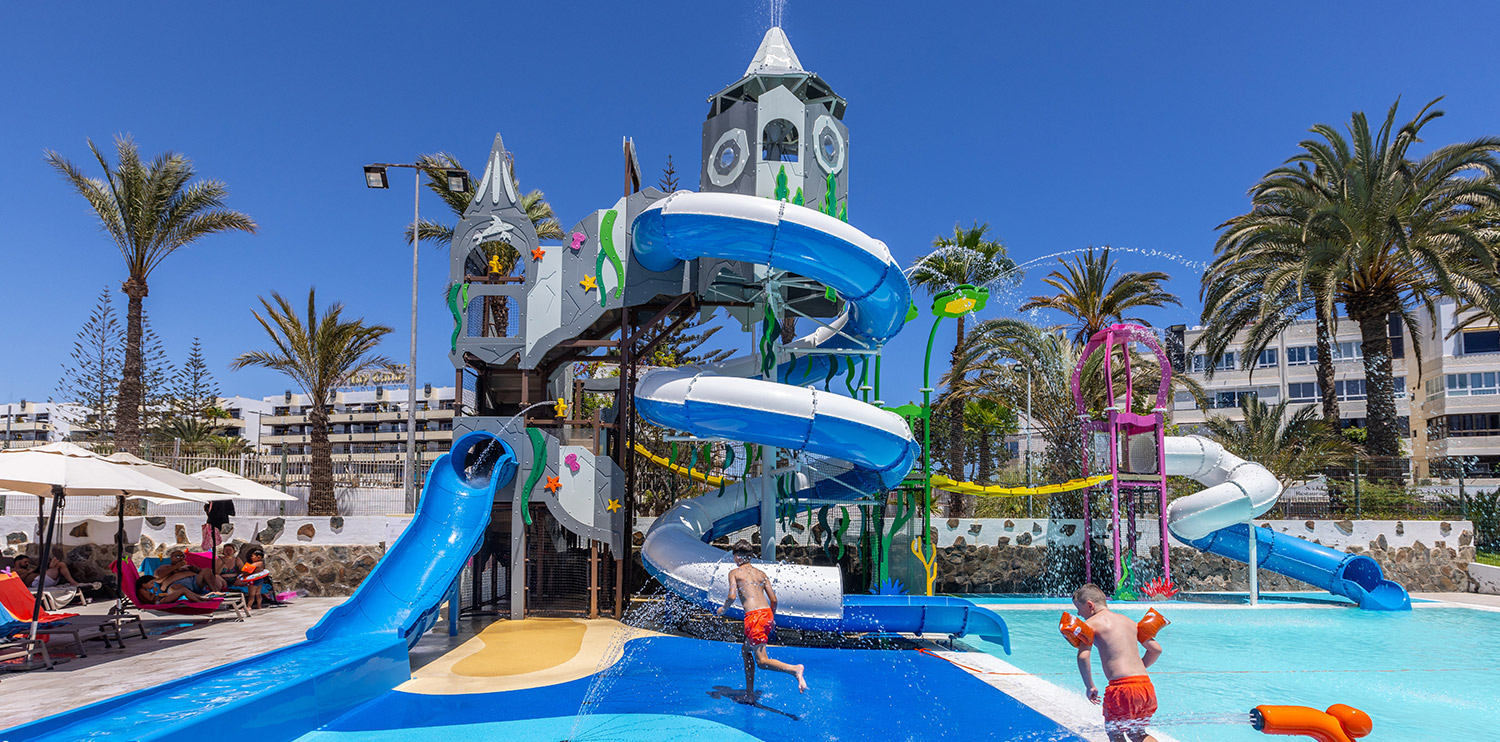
pixel 1119 420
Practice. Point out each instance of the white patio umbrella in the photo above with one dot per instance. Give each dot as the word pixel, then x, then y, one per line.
pixel 59 470
pixel 243 488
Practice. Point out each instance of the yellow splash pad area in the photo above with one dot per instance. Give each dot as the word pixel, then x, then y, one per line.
pixel 535 652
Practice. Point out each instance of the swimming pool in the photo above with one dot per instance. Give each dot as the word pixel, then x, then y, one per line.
pixel 1425 674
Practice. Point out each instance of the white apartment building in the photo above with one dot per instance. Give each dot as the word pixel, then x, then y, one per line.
pixel 25 424
pixel 367 423
pixel 1451 409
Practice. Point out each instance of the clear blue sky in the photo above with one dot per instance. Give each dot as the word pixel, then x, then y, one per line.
pixel 1062 125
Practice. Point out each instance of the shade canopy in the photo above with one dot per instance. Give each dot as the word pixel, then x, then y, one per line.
pixel 203 489
pixel 242 488
pixel 77 471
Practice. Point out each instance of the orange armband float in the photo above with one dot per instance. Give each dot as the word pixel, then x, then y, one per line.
pixel 1078 633
pixel 1340 723
pixel 1146 628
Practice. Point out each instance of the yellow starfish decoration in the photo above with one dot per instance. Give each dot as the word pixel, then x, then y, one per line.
pixel 538 253
pixel 612 506
pixel 589 284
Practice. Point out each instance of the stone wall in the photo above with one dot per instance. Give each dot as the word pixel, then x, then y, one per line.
pixel 315 571
pixel 1031 556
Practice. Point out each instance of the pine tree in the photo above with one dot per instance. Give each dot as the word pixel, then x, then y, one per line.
pixel 668 182
pixel 193 390
pixel 156 379
pixel 91 380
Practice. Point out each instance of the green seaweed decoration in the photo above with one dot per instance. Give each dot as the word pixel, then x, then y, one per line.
pixel 830 197
pixel 768 339
pixel 538 467
pixel 607 248
pixel 797 199
pixel 844 211
pixel 825 540
pixel 844 521
pixel 783 192
pixel 458 296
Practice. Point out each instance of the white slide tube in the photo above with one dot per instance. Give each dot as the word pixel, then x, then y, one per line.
pixel 1235 491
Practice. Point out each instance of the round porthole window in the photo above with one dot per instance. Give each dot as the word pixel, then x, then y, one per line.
pixel 830 144
pixel 727 160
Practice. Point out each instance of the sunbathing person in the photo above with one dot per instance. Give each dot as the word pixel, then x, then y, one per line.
pixel 149 591
pixel 227 566
pixel 57 573
pixel 178 572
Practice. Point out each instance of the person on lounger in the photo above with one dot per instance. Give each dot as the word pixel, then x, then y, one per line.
pixel 178 572
pixel 149 591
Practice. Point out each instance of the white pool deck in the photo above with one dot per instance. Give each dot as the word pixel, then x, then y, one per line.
pixel 26 696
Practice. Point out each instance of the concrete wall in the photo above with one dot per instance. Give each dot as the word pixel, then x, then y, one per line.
pixel 1484 578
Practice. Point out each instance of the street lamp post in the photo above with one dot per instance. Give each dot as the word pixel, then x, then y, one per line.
pixel 455 180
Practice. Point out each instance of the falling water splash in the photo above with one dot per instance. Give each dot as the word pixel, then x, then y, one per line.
pixel 775 11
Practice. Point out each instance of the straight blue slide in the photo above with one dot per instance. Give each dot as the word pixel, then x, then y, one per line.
pixel 357 652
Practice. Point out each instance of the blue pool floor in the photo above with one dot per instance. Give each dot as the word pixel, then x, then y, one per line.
pixel 668 688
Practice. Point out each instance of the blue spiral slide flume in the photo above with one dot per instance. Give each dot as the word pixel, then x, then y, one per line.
pixel 874 447
pixel 357 652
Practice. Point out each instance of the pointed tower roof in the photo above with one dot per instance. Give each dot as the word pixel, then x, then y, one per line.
pixel 776 65
pixel 775 55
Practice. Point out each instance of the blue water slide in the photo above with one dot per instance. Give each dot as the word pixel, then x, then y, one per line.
pixel 875 447
pixel 357 652
pixel 1354 576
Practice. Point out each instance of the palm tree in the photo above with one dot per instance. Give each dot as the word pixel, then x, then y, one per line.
pixel 1292 450
pixel 534 203
pixel 970 257
pixel 1086 293
pixel 194 434
pixel 1266 277
pixel 1408 233
pixel 319 352
pixel 987 418
pixel 150 210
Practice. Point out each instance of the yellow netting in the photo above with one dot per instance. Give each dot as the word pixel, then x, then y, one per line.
pixel 692 474
pixel 970 488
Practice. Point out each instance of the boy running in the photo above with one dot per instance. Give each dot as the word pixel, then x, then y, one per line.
pixel 1130 699
pixel 754 591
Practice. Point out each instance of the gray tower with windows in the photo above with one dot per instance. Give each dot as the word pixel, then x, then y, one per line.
pixel 778 133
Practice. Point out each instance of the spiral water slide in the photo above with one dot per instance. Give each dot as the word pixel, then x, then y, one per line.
pixel 1216 520
pixel 870 448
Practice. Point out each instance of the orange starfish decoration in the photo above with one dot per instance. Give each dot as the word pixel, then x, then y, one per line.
pixel 538 253
pixel 553 485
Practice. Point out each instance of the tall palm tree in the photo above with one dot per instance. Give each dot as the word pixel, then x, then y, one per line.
pixel 1292 450
pixel 1085 292
pixel 968 256
pixel 319 352
pixel 440 233
pixel 1408 233
pixel 1267 275
pixel 150 210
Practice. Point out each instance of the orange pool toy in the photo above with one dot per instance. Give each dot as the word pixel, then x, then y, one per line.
pixel 1340 723
pixel 1146 628
pixel 1078 633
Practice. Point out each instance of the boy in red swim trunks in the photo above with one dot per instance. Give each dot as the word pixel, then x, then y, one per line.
pixel 754 591
pixel 1130 699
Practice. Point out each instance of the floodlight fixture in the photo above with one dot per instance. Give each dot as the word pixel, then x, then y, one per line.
pixel 375 177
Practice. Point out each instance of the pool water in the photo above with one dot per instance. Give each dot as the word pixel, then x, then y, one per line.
pixel 1425 674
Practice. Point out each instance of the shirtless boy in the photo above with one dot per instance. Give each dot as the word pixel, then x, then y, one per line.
pixel 754 591
pixel 1130 699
